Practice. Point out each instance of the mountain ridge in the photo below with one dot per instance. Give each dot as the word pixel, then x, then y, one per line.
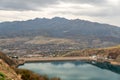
pixel 78 19
pixel 79 30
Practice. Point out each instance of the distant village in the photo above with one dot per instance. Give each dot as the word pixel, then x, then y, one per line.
pixel 30 50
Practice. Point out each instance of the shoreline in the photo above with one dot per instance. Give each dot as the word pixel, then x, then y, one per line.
pixel 22 61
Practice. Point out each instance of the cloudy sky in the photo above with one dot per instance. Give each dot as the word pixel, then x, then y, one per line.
pixel 105 11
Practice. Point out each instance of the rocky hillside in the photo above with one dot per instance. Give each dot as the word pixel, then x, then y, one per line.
pixel 7 73
pixel 7 60
pixel 110 52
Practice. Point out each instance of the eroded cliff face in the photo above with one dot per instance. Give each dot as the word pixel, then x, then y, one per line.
pixel 7 73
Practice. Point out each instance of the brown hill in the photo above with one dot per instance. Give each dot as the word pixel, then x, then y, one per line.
pixel 110 52
pixel 7 73
pixel 7 59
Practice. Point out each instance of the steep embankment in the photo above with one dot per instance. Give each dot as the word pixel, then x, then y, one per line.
pixel 7 73
pixel 110 52
pixel 7 60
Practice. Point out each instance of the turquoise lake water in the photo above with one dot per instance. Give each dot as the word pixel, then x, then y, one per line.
pixel 75 70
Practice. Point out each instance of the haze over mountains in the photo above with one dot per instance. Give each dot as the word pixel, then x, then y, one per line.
pixel 90 34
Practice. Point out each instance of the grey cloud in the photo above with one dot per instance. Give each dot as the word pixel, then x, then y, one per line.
pixel 34 4
pixel 106 9
pixel 103 12
pixel 24 4
pixel 87 1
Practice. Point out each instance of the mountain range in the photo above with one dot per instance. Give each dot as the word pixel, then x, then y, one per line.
pixel 80 31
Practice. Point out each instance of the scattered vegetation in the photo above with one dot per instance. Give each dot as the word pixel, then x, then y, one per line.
pixel 55 79
pixel 2 76
pixel 29 75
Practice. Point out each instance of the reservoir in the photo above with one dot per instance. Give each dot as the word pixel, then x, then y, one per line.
pixel 75 70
